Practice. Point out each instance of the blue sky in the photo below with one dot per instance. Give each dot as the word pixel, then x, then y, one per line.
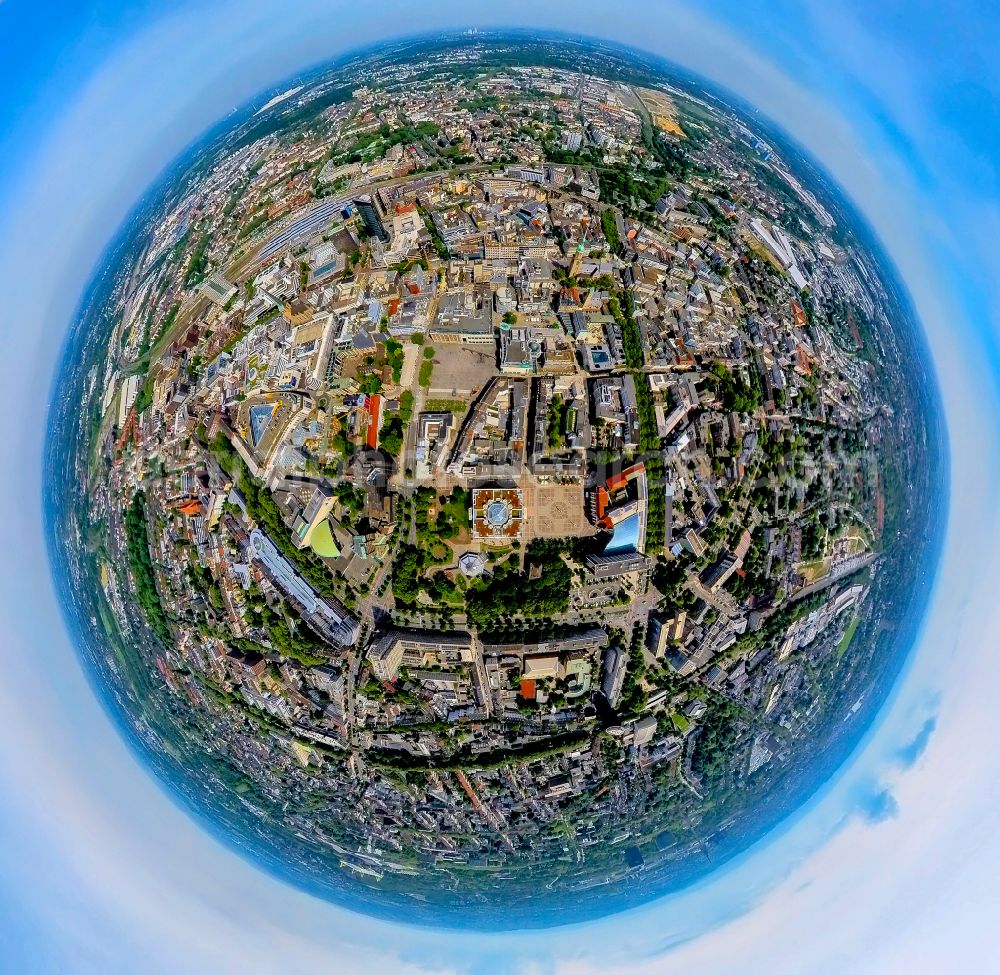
pixel 891 869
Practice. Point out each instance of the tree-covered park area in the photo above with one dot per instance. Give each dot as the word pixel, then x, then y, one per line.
pixel 439 519
pixel 635 195
pixel 435 521
pixel 394 358
pixel 426 371
pixel 738 394
pixel 556 422
pixel 375 142
pixel 634 697
pixel 610 228
pixel 393 432
pixel 292 639
pixel 541 589
pixel 141 563
pixel 717 742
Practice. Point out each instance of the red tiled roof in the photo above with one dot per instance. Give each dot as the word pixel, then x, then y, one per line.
pixel 372 406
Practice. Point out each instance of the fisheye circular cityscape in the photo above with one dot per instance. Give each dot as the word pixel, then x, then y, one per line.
pixel 492 478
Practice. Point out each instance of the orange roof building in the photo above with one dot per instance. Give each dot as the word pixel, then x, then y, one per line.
pixel 373 407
